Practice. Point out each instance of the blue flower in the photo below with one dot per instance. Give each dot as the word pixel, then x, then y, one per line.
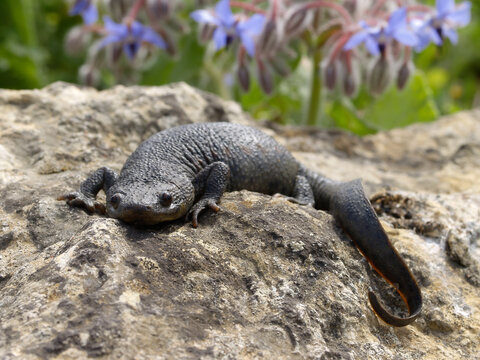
pixel 447 18
pixel 228 28
pixel 248 30
pixel 131 36
pixel 86 9
pixel 377 37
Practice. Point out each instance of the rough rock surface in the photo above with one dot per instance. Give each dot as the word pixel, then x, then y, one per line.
pixel 264 278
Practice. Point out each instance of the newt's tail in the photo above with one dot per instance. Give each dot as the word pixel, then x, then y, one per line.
pixel 356 216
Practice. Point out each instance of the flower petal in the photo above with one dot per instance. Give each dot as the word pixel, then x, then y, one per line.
pixel 254 25
pixel 451 34
pixel 397 18
pixel 433 36
pixel 248 43
pixel 204 17
pixel 136 29
pixel 372 46
pixel 79 7
pixel 423 42
pixel 114 28
pixel 219 38
pixel 425 35
pixel 356 39
pixel 109 39
pixel 461 16
pixel 444 7
pixel 151 36
pixel 90 15
pixel 224 13
pixel 405 36
pixel 249 29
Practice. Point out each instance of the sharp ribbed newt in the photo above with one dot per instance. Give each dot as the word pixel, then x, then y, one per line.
pixel 184 170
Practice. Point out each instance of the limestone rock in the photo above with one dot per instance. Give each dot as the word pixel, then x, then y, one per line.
pixel 264 278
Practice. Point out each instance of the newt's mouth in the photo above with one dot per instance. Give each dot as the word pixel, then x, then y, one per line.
pixel 146 215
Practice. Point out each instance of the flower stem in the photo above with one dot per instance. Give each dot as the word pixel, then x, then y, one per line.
pixel 132 15
pixel 419 8
pixel 327 4
pixel 246 6
pixel 217 76
pixel 315 89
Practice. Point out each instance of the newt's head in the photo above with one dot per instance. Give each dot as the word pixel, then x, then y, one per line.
pixel 149 202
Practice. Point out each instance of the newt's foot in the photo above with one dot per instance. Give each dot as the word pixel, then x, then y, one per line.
pixel 199 207
pixel 78 199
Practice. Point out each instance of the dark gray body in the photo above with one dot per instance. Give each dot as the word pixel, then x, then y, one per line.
pixel 186 169
pixel 255 160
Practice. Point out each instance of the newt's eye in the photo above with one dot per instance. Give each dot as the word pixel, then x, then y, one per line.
pixel 165 199
pixel 115 200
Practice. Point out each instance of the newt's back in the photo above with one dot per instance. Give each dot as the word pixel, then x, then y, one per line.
pixel 256 161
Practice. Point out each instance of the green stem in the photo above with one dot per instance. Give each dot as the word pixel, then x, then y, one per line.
pixel 315 89
pixel 217 77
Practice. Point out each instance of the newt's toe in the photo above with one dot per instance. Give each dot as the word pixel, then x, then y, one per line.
pixel 78 199
pixel 201 205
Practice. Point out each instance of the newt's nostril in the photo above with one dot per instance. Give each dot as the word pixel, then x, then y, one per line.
pixel 115 200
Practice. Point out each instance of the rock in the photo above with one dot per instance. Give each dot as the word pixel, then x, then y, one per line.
pixel 264 278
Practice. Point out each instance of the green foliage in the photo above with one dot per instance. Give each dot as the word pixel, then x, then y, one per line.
pixel 413 104
pixel 453 71
pixel 182 67
pixel 31 44
pixel 32 55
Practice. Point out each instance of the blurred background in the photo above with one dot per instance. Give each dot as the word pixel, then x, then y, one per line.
pixel 33 54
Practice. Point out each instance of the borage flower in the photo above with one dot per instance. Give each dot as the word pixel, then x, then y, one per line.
pixel 377 37
pixel 87 9
pixel 130 36
pixel 248 31
pixel 447 18
pixel 227 27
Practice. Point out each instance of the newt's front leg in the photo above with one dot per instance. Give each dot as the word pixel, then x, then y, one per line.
pixel 209 185
pixel 103 177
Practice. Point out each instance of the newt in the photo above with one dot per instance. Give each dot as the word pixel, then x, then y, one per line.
pixel 182 171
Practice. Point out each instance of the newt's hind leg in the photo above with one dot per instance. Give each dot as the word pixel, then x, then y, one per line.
pixel 302 192
pixel 103 177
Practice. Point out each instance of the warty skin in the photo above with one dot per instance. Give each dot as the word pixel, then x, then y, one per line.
pixel 183 170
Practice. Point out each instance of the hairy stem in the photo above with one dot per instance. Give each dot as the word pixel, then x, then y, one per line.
pixel 315 89
pixel 246 6
pixel 132 15
pixel 218 79
pixel 419 8
pixel 327 4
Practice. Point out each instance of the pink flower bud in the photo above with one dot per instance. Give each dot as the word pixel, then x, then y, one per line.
pixel 119 8
pixel 76 40
pixel 206 32
pixel 403 76
pixel 264 77
pixel 349 85
pixel 331 75
pixel 243 77
pixel 160 9
pixel 268 38
pixel 89 75
pixel 169 42
pixel 380 76
pixel 297 19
